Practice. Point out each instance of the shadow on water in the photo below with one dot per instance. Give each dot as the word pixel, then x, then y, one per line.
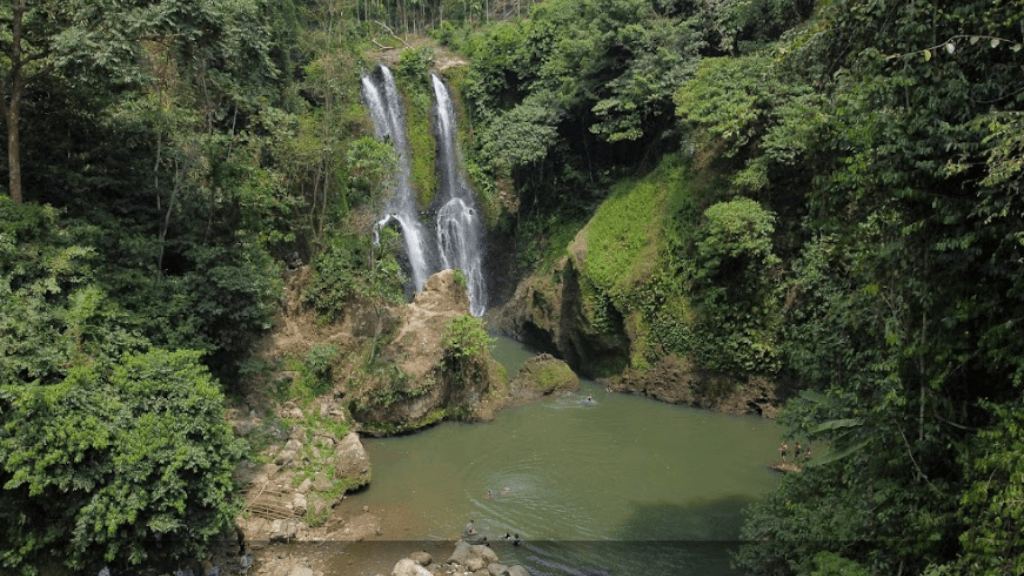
pixel 658 539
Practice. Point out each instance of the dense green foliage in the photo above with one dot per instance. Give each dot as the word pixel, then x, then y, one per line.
pixel 850 222
pixel 884 125
pixel 351 267
pixel 828 193
pixel 174 156
pixel 121 462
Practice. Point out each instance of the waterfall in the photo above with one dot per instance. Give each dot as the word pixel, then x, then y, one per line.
pixel 459 230
pixel 381 98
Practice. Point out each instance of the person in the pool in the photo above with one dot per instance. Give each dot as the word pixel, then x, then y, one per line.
pixel 589 399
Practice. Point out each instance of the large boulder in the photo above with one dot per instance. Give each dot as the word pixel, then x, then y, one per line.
pixel 542 375
pixel 284 530
pixel 421 557
pixel 461 553
pixel 475 563
pixel 485 553
pixel 350 459
pixel 407 567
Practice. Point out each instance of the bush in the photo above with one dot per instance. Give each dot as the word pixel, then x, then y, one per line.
pixel 415 63
pixel 120 463
pixel 465 347
pixel 736 242
pixel 316 369
pixel 352 266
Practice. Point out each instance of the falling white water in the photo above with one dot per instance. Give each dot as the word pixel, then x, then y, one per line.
pixel 381 98
pixel 459 230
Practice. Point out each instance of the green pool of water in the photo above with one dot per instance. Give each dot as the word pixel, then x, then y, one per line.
pixel 625 485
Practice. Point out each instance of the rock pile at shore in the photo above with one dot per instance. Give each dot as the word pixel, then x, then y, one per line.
pixel 467 559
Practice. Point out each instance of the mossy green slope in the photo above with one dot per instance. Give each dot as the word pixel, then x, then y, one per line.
pixel 626 265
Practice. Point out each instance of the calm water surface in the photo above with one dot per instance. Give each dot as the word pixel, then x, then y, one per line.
pixel 623 486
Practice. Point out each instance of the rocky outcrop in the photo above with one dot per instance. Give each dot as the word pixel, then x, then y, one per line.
pixel 548 312
pixel 417 344
pixel 408 567
pixel 675 381
pixel 422 390
pixel 281 508
pixel 350 459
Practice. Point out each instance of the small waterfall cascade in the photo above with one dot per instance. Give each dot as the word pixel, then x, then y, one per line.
pixel 458 227
pixel 381 97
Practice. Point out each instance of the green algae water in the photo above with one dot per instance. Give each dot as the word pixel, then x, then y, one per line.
pixel 623 486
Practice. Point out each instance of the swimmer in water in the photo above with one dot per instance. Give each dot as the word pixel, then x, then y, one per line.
pixel 517 541
pixel 589 399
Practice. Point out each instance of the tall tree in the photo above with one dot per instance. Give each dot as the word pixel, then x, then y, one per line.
pixel 39 38
pixel 84 41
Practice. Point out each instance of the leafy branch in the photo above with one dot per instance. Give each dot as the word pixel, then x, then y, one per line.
pixel 950 46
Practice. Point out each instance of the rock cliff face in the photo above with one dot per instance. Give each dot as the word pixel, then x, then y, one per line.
pixel 548 312
pixel 675 381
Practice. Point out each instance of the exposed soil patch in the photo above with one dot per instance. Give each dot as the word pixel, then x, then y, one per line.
pixel 390 50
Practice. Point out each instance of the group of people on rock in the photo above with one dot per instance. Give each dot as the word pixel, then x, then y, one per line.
pixel 799 452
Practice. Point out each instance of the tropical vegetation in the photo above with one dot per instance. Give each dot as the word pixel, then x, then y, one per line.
pixel 822 192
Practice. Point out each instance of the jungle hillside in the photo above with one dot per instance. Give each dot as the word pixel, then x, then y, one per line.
pixel 825 193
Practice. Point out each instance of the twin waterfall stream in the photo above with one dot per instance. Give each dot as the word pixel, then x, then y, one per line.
pixel 457 238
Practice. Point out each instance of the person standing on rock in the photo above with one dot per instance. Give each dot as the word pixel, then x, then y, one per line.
pixel 784 448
